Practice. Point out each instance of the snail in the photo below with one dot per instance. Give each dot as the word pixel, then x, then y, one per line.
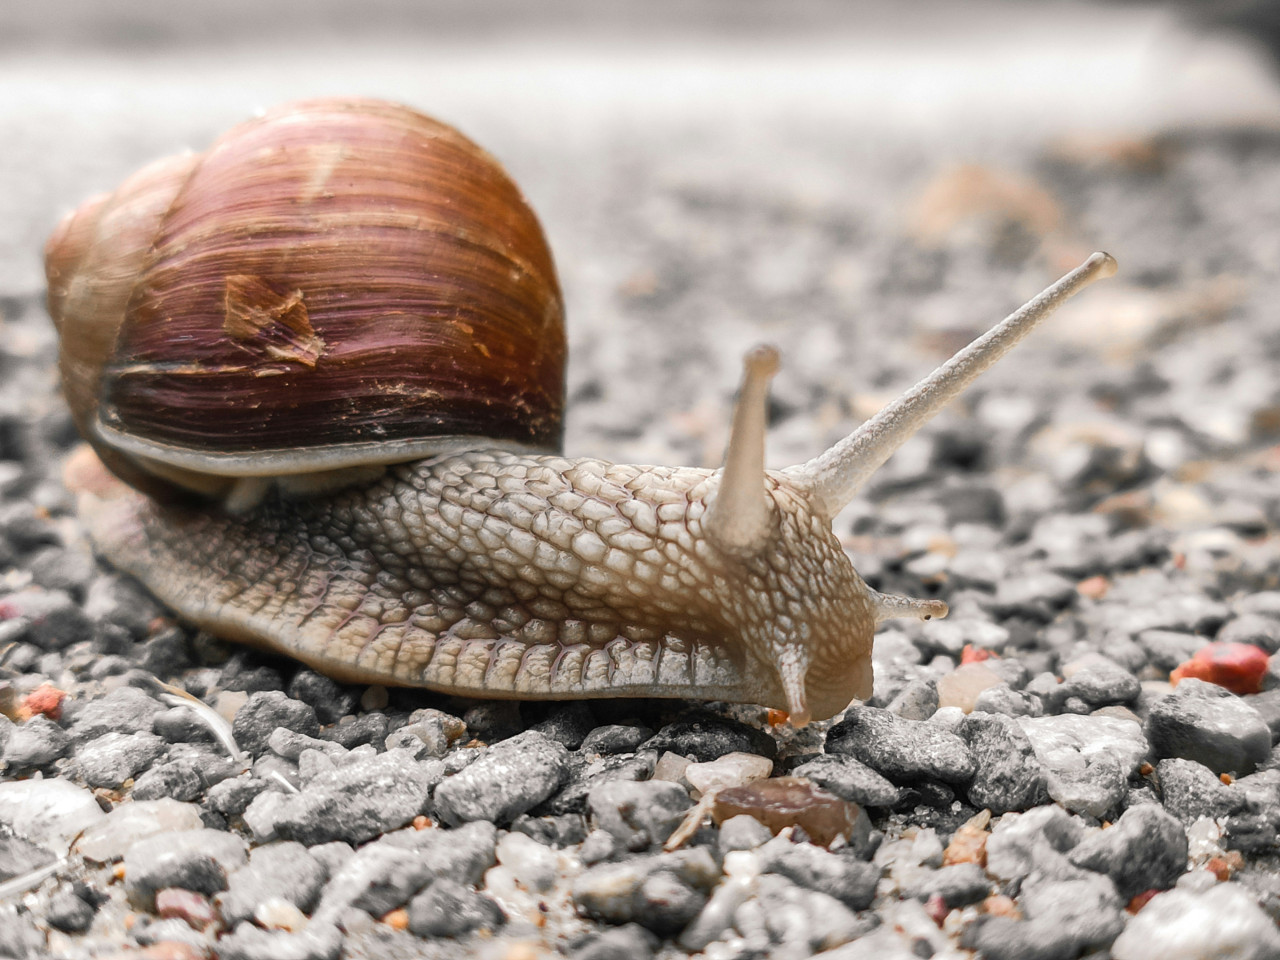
pixel 327 357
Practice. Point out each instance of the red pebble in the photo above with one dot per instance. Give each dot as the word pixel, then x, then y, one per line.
pixel 1140 901
pixel 1239 667
pixel 46 699
pixel 936 908
pixel 972 654
pixel 185 905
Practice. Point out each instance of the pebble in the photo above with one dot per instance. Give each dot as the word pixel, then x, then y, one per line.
pixel 532 865
pixel 617 892
pixel 1007 774
pixel 181 778
pixel 284 870
pixel 368 728
pixel 637 814
pixel 1191 790
pixel 795 921
pixel 1146 849
pixel 35 745
pixel 902 750
pixel 248 942
pixel 448 909
pixel 377 878
pixel 509 778
pixel 111 836
pixel 742 832
pixel 1238 667
pixel 232 796
pixel 628 942
pixel 850 880
pixel 1087 760
pixel 19 856
pixel 957 885
pixel 848 778
pixel 70 912
pixel 615 738
pixel 794 802
pixel 330 700
pixel 1098 681
pixel 963 685
pixel 123 710
pixel 1253 629
pixel 710 738
pixel 266 710
pixel 50 813
pixel 918 700
pixel 19 936
pixel 586 771
pixel 568 724
pixel 730 770
pixel 355 803
pixel 192 908
pixel 1203 722
pixel 113 758
pixel 197 860
pixel 1223 921
pixel 1034 842
pixel 1167 648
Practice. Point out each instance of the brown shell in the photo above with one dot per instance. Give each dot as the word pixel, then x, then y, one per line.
pixel 337 282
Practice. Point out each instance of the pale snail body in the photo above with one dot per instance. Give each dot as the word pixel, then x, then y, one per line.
pixel 498 573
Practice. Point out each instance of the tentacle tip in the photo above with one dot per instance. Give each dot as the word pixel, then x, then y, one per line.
pixel 933 609
pixel 762 360
pixel 1103 265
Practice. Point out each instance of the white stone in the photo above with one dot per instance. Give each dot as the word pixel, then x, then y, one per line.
pixel 1182 925
pixel 110 838
pixel 531 864
pixel 731 770
pixel 51 813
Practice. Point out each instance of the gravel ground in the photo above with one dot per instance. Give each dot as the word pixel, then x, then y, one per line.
pixel 1100 512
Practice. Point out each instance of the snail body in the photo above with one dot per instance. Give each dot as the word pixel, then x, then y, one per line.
pixel 481 567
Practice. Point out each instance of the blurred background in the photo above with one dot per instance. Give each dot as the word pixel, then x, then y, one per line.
pixel 867 184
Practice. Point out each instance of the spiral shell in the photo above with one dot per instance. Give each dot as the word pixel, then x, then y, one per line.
pixel 338 283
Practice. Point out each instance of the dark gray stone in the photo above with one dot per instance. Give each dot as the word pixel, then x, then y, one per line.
pixel 1007 776
pixel 1203 722
pixel 638 814
pixel 1190 790
pixel 959 885
pixel 840 875
pixel 181 725
pixel 559 830
pixel 509 778
pixel 1267 704
pixel 232 796
pixel 69 912
pixel 57 568
pixel 918 700
pixel 1253 629
pixel 850 779
pixel 1034 842
pixel 285 870
pixel 54 619
pixel 1146 849
pixel 266 710
pixel 123 710
pixel 902 750
pixel 197 860
pixel 620 893
pixel 462 854
pixel 710 738
pixel 35 744
pixel 368 728
pixel 358 801
pixel 1101 682
pixel 113 758
pixel 330 700
pixel 1034 596
pixel 1003 699
pixel 587 772
pixel 568 724
pixel 615 738
pixel 1166 649
pixel 448 909
pixel 628 942
pixel 182 778
pixel 742 832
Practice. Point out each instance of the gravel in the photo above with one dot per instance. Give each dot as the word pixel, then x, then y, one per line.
pixel 1095 512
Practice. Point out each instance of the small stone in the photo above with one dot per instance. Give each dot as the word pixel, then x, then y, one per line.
pixel 426 738
pixel 285 871
pixel 615 738
pixel 562 830
pixel 368 728
pixel 803 922
pixel 1008 776
pixel 123 710
pixel 957 885
pixel 19 856
pixel 1238 667
pixel 568 724
pixel 1084 913
pixel 19 936
pixel 1191 790
pixel 176 903
pixel 730 770
pixel 710 738
pixel 509 779
pixel 1035 841
pixel 572 798
pixel 196 860
pixel 1223 921
pixel 448 909
pixel 616 892
pixel 69 912
pixel 791 802
pixel 671 767
pixel 275 913
pixel 918 700
pixel 850 880
pixel 1098 681
pixel 330 700
pixel 111 837
pixel 113 758
pixel 531 864
pixel 638 814
pixel 628 942
pixel 1167 648
pixel 35 744
pixel 232 796
pixel 905 751
pixel 1206 723
pixel 969 842
pixel 847 778
pixel 1003 699
pixel 356 802
pixel 1145 849
pixel 1088 760
pixel 50 813
pixel 1254 629
pixel 247 942
pixel 266 710
pixel 742 832
pixel 962 686
pixel 181 778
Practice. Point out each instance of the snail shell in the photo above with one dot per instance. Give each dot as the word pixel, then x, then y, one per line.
pixel 337 284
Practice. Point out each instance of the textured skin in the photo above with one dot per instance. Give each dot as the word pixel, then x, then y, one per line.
pixel 499 575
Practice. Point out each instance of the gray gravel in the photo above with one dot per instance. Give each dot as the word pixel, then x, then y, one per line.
pixel 1095 512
